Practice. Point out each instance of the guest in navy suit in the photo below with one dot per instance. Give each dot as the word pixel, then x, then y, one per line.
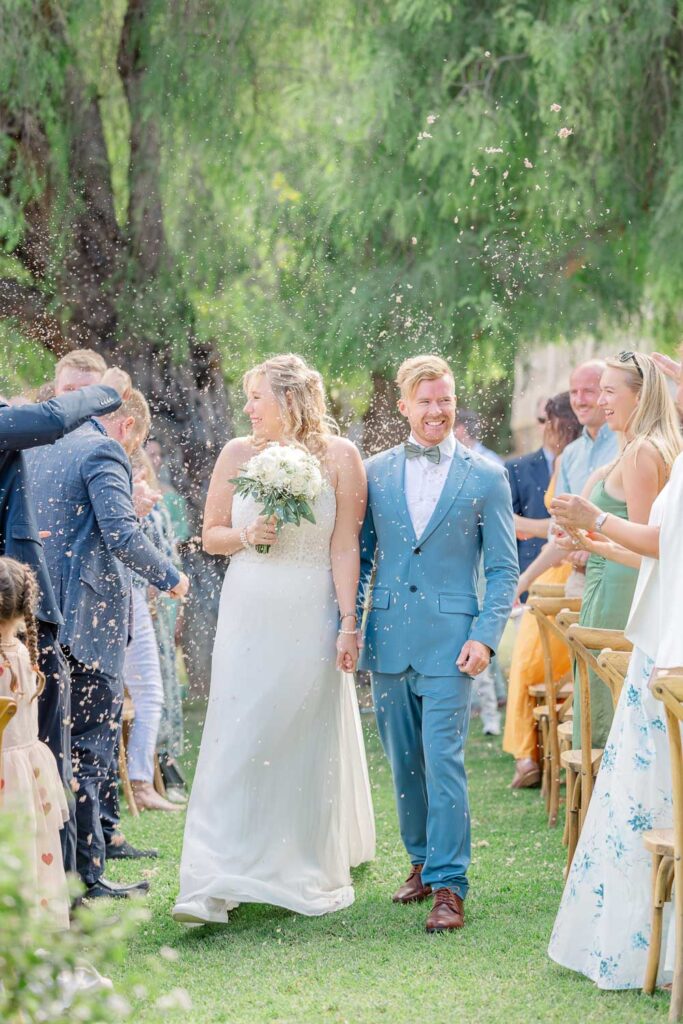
pixel 530 478
pixel 85 502
pixel 28 426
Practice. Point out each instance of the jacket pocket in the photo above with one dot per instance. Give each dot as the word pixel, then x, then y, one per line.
pixel 23 531
pixel 458 604
pixel 88 577
pixel 381 597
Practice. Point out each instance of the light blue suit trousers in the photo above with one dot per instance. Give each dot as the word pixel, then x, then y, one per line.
pixel 423 722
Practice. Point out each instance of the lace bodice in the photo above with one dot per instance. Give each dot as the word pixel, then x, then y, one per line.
pixel 307 545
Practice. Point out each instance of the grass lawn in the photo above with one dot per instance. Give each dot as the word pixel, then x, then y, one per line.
pixel 374 962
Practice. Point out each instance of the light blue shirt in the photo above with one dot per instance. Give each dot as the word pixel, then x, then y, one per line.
pixel 583 456
pixel 549 460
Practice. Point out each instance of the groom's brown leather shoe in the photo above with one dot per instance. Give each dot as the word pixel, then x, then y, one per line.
pixel 447 913
pixel 412 889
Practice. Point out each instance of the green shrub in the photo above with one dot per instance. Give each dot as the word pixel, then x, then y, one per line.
pixel 37 962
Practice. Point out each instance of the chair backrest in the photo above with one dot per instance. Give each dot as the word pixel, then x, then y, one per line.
pixel 8 709
pixel 589 642
pixel 615 666
pixel 545 610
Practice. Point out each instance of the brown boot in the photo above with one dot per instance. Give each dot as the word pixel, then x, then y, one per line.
pixel 447 913
pixel 147 798
pixel 412 889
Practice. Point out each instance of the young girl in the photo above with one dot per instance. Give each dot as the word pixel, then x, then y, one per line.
pixel 30 787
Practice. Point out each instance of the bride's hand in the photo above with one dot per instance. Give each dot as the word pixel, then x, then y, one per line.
pixel 262 531
pixel 347 651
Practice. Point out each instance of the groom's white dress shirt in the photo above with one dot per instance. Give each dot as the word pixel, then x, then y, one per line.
pixel 424 482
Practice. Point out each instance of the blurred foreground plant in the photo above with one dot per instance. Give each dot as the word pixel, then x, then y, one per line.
pixel 40 966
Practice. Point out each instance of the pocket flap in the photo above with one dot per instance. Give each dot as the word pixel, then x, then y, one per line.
pixel 90 578
pixel 381 597
pixel 454 604
pixel 24 531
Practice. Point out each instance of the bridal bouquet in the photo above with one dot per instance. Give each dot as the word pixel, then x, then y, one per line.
pixel 286 479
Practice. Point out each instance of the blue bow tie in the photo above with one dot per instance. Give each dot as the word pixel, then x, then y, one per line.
pixel 414 451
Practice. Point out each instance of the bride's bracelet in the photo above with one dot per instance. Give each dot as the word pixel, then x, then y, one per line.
pixel 244 539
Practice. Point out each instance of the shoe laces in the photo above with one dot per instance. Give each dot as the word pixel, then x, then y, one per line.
pixel 448 897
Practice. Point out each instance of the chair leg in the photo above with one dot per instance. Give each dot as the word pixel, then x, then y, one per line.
pixel 554 795
pixel 543 728
pixel 159 784
pixel 676 1008
pixel 586 784
pixel 574 801
pixel 125 779
pixel 568 785
pixel 661 881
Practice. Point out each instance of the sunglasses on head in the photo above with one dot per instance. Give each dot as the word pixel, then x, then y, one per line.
pixel 626 357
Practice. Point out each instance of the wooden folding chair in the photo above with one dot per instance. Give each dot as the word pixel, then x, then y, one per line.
pixel 558 693
pixel 127 719
pixel 614 665
pixel 666 848
pixel 8 709
pixel 582 765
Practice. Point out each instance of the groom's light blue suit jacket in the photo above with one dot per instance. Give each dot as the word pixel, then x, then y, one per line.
pixel 424 603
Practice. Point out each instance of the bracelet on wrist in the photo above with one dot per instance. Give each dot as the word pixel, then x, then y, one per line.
pixel 347 632
pixel 600 521
pixel 244 539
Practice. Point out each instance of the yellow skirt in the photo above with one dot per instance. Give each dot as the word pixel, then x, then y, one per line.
pixel 519 738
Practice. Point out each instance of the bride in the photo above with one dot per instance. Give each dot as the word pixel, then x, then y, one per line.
pixel 280 808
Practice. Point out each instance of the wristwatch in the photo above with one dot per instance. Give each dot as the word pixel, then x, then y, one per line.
pixel 600 522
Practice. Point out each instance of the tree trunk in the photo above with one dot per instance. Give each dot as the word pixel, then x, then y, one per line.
pixel 116 292
pixel 383 425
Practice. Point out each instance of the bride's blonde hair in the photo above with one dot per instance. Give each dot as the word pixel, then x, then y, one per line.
pixel 300 395
pixel 655 418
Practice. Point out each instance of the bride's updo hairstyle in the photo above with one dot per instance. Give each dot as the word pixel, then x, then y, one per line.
pixel 300 395
pixel 655 418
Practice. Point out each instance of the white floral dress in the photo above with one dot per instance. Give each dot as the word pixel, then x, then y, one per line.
pixel 602 928
pixel 603 925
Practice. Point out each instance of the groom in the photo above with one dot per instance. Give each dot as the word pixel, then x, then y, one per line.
pixel 436 510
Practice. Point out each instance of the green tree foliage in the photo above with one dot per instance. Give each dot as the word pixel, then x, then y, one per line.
pixel 359 181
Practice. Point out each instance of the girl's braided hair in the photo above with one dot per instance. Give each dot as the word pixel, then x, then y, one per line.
pixel 18 600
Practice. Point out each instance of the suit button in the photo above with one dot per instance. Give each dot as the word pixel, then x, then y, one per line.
pixel 417 551
pixel 413 589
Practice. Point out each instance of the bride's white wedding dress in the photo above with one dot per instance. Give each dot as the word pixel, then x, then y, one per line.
pixel 280 808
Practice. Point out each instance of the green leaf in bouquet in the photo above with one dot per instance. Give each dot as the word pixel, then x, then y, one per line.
pixel 305 511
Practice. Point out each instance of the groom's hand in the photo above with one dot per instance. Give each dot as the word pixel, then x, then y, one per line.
pixel 474 658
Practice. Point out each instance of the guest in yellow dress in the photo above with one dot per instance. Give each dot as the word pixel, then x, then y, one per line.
pixel 519 737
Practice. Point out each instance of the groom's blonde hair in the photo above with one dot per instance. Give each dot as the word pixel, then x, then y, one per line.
pixel 413 371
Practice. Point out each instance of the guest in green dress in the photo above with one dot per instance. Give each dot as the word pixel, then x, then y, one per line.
pixel 606 603
pixel 637 403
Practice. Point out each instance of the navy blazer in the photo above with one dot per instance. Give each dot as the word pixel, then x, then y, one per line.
pixel 26 426
pixel 83 487
pixel 529 479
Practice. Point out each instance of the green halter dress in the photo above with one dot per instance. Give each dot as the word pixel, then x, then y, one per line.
pixel 606 604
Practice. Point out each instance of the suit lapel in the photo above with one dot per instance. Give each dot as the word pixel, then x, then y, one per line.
pixel 397 490
pixel 460 466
